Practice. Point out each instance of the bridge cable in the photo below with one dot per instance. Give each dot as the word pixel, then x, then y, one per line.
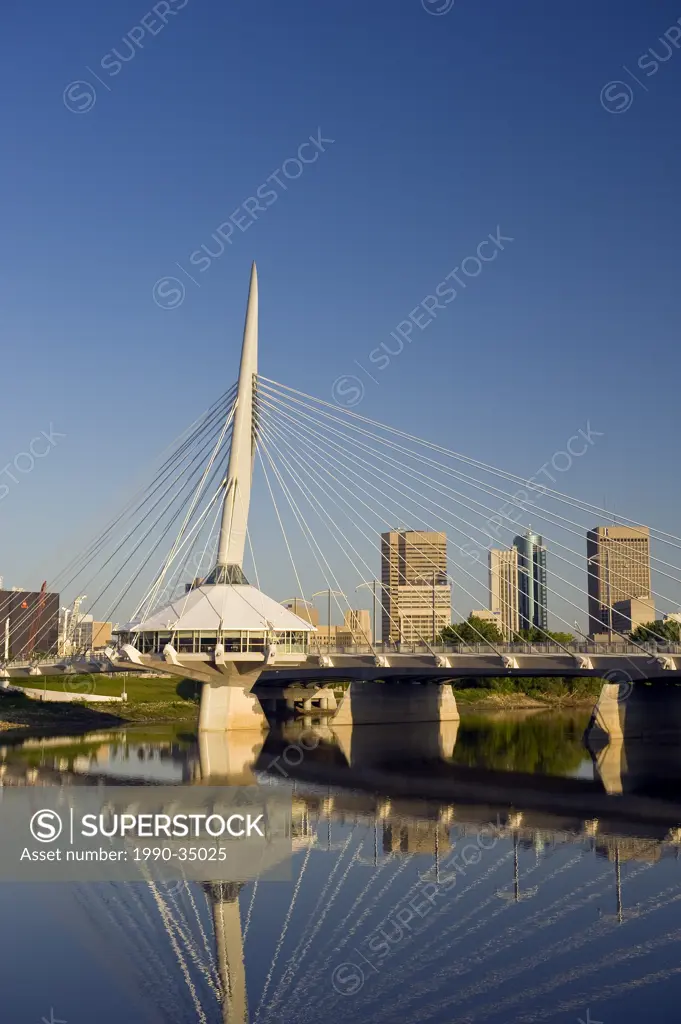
pixel 197 496
pixel 141 540
pixel 300 519
pixel 22 620
pixel 457 455
pixel 486 488
pixel 485 640
pixel 364 481
pixel 316 505
pixel 664 640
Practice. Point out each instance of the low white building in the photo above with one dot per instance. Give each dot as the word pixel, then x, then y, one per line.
pixel 238 616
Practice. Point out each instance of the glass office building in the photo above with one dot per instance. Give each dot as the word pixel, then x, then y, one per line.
pixel 532 595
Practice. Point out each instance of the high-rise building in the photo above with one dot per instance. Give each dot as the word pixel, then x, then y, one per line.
pixel 618 566
pixel 532 594
pixel 503 589
pixel 417 600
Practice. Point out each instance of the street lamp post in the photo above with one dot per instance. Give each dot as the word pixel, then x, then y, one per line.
pixel 515 894
pixel 621 914
pixel 372 584
pixel 330 593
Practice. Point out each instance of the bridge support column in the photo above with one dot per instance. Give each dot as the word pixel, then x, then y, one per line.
pixel 607 718
pixel 610 764
pixel 633 711
pixel 394 704
pixel 226 758
pixel 230 704
pixel 327 699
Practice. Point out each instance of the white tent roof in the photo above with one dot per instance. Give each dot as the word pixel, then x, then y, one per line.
pixel 222 606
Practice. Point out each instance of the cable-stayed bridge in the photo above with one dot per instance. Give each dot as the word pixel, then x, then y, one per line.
pixel 182 562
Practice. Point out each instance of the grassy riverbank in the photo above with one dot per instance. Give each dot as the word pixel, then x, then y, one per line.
pixel 149 699
pixel 527 692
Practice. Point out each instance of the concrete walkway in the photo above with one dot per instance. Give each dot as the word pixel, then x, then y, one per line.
pixel 63 696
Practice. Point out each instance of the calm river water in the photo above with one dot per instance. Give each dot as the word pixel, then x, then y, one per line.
pixel 491 870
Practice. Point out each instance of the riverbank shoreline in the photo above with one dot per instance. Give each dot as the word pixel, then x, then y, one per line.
pixel 522 702
pixel 20 715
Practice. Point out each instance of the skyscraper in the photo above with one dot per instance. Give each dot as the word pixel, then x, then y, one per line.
pixel 532 594
pixel 503 589
pixel 618 566
pixel 416 592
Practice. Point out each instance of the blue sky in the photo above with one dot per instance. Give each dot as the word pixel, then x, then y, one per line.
pixel 445 128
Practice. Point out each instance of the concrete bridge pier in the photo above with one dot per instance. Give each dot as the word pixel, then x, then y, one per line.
pixel 607 718
pixel 227 702
pixel 374 703
pixel 227 758
pixel 635 711
pixel 611 764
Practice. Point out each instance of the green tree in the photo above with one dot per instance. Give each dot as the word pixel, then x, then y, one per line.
pixel 539 636
pixel 472 631
pixel 658 631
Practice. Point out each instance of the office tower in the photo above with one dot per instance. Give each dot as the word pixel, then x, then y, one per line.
pixel 618 567
pixel 503 589
pixel 532 595
pixel 416 594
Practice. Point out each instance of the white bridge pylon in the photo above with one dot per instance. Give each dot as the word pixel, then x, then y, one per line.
pixel 224 604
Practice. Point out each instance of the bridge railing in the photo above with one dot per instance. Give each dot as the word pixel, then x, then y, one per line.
pixel 586 648
pixel 71 659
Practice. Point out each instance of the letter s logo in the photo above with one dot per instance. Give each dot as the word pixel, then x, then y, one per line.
pixel 46 826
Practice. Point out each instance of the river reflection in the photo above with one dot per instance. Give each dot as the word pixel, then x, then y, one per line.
pixel 493 869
